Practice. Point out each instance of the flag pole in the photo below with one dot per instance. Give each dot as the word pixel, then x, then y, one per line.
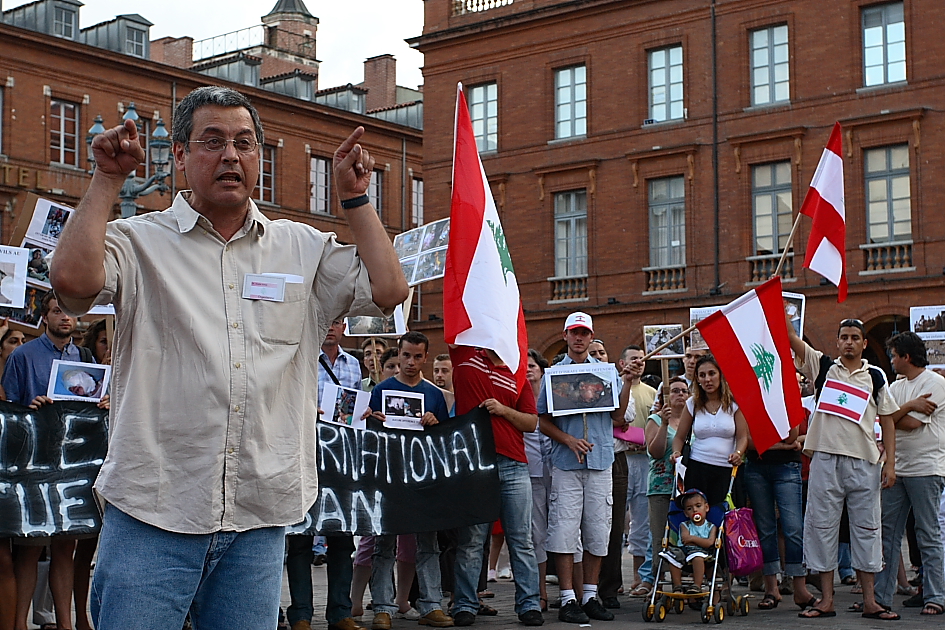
pixel 787 246
pixel 670 342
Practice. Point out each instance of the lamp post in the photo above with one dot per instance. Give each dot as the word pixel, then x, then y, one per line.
pixel 159 147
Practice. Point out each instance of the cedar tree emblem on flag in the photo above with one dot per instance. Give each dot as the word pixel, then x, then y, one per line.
pixel 764 369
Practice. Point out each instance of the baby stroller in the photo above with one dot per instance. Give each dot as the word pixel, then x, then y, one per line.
pixel 664 598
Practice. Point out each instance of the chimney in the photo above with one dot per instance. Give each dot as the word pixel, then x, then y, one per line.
pixel 380 80
pixel 173 51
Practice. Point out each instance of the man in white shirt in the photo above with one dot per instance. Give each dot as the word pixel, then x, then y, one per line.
pixel 920 471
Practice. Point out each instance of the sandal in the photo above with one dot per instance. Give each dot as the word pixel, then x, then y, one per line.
pixel 857 589
pixel 768 602
pixel 932 609
pixel 487 611
pixel 641 590
pixel 810 603
pixel 848 580
pixel 882 615
pixel 817 613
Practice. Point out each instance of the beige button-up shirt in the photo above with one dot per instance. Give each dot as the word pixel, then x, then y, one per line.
pixel 213 395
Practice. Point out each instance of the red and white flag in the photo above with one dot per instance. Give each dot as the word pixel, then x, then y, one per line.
pixel 481 302
pixel 844 400
pixel 749 339
pixel 826 248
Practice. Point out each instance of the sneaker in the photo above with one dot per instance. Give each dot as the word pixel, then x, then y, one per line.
pixel 410 615
pixel 464 618
pixel 572 613
pixel 611 602
pixel 436 618
pixel 595 610
pixel 348 623
pixel 320 559
pixel 381 621
pixel 491 575
pixel 531 618
pixel 551 579
pixel 505 573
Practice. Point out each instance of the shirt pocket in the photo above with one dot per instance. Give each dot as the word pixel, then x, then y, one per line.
pixel 282 322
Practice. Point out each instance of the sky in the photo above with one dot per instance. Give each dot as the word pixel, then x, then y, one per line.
pixel 349 31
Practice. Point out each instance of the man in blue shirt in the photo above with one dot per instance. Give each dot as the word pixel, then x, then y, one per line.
pixel 582 455
pixel 25 381
pixel 413 348
pixel 338 367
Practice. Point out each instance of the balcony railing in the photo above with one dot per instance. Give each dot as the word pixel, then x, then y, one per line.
pixel 461 7
pixel 568 289
pixel 229 42
pixel 763 267
pixel 891 256
pixel 665 279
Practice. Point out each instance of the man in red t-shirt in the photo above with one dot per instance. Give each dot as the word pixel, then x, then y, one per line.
pixel 481 379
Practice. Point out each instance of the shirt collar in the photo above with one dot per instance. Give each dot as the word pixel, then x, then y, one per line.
pixel 864 365
pixel 187 217
pixel 46 341
pixel 567 360
pixel 343 356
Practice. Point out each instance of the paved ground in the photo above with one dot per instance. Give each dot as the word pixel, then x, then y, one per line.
pixel 784 616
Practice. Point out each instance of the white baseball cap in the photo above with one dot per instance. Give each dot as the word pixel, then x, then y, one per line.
pixel 579 320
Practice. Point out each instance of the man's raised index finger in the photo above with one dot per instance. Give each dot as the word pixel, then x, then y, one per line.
pixel 351 140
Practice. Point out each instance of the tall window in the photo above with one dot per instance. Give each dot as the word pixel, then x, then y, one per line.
pixel 666 84
pixel 571 234
pixel 571 102
pixel 770 82
pixel 772 206
pixel 375 188
pixel 2 113
pixel 144 137
pixel 417 202
pixel 888 198
pixel 63 132
pixel 484 112
pixel 320 186
pixel 64 23
pixel 668 222
pixel 884 44
pixel 134 42
pixel 266 184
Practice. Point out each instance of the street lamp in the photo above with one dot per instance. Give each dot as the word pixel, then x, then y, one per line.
pixel 159 147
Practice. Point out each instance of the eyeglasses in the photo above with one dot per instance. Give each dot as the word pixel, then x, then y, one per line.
pixel 215 145
pixel 679 391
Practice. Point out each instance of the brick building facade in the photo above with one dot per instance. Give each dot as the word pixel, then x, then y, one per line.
pixel 52 88
pixel 648 156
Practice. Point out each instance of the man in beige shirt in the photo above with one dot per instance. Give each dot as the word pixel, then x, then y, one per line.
pixel 220 317
pixel 845 466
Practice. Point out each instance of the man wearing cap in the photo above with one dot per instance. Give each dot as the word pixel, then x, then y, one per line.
pixel 845 463
pixel 581 483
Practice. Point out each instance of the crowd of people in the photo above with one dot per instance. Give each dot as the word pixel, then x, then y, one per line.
pixel 195 512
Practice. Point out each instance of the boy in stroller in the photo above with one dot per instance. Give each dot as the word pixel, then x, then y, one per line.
pixel 697 537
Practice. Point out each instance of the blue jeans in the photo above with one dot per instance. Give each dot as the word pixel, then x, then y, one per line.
pixel 298 568
pixel 923 495
pixel 646 569
pixel 148 578
pixel 778 484
pixel 844 561
pixel 320 546
pixel 516 515
pixel 428 574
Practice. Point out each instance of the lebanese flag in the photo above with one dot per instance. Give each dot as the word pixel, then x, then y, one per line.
pixel 749 339
pixel 826 248
pixel 481 303
pixel 844 400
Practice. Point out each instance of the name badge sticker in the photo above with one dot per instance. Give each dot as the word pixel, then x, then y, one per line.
pixel 257 286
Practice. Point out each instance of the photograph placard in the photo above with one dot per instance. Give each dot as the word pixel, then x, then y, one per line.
pixel 13 262
pixel 795 305
pixel 343 405
pixel 393 326
pixel 696 315
pixel 656 335
pixel 29 315
pixel 402 410
pixel 928 322
pixel 47 222
pixel 72 380
pixel 37 267
pixel 581 388
pixel 422 251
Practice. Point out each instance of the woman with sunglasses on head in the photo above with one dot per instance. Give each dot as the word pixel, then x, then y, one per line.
pixel 720 431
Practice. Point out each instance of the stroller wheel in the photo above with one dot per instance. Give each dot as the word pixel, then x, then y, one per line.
pixel 679 605
pixel 706 613
pixel 720 614
pixel 660 612
pixel 648 610
pixel 743 608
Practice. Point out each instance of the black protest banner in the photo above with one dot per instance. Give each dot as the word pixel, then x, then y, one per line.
pixel 388 481
pixel 49 460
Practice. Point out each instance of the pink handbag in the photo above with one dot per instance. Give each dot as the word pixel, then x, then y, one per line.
pixel 742 543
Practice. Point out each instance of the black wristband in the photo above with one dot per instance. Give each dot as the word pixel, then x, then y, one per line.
pixel 355 202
